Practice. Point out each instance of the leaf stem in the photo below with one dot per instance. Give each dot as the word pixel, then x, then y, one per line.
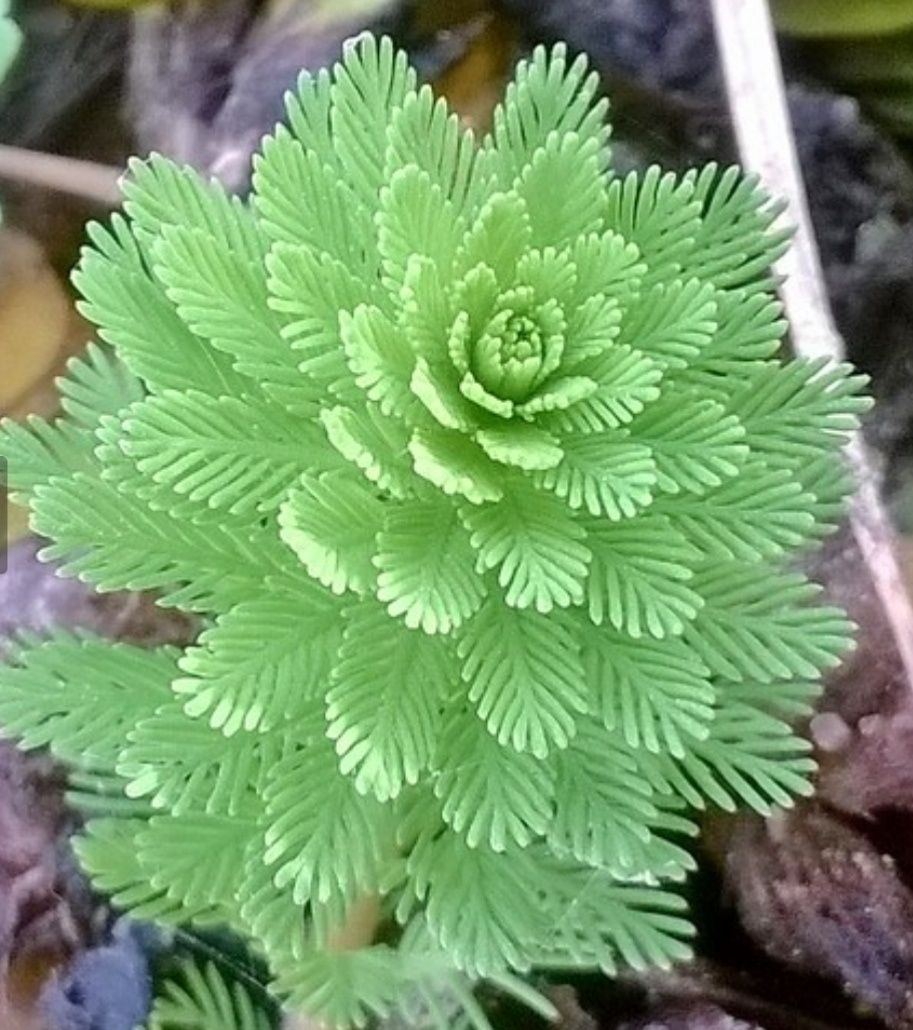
pixel 358 931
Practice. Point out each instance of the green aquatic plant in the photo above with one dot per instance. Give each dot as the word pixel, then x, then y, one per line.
pixel 482 470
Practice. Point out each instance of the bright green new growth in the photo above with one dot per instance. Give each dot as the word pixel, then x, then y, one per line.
pixel 483 469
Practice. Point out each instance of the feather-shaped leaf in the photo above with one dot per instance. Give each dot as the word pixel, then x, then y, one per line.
pixel 373 444
pixel 108 850
pixel 736 246
pixel 492 794
pixel 342 987
pixel 658 213
pixel 559 217
pixel 224 452
pixel 537 547
pixel 639 576
pixel 307 108
pixel 499 236
pixel 424 133
pixel 626 381
pixel 477 902
pixel 172 845
pixel 83 696
pixel 116 545
pixel 370 83
pixel 308 290
pixel 425 563
pixel 750 757
pixel 302 200
pixel 696 445
pixel 521 445
pixel 793 413
pixel 223 298
pixel 379 359
pixel 183 765
pixel 384 701
pixel 329 522
pixel 606 263
pixel 749 329
pixel 761 513
pixel 757 624
pixel 524 675
pixel 603 806
pixel 201 997
pixel 133 314
pixel 37 450
pixel 656 693
pixel 604 473
pixel 547 96
pixel 160 193
pixel 456 465
pixel 96 384
pixel 260 661
pixel 416 218
pixel 672 322
pixel 324 837
pixel 594 921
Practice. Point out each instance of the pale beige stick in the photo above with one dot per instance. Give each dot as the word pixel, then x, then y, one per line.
pixel 95 182
pixel 757 98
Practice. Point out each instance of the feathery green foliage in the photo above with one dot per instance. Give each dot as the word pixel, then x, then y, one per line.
pixel 483 468
pixel 201 999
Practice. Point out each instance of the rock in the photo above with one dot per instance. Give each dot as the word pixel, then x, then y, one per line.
pixel 690 1017
pixel 816 895
pixel 34 599
pixel 108 987
pixel 47 912
pixel 665 44
pixel 45 905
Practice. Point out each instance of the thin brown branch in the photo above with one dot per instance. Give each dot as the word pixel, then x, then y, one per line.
pixel 96 183
pixel 757 99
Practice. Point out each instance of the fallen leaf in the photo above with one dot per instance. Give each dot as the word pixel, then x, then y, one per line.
pixel 35 319
pixel 474 83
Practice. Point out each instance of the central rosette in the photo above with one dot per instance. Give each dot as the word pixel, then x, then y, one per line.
pixel 495 356
pixel 519 347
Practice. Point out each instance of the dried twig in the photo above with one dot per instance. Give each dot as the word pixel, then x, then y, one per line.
pixel 88 180
pixel 757 98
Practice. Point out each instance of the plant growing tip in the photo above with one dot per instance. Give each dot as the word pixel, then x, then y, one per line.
pixel 482 468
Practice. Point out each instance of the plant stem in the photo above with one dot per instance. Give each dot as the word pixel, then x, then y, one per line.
pixel 360 927
pixel 358 931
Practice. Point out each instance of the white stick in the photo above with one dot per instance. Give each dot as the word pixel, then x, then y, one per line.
pixel 757 98
pixel 95 182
